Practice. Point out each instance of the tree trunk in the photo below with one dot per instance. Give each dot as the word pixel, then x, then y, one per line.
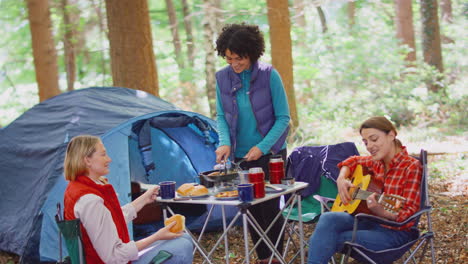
pixel 281 52
pixel 68 44
pixel 209 34
pixel 44 53
pixel 103 36
pixel 323 19
pixel 188 30
pixel 446 6
pixel 175 33
pixel 131 46
pixel 218 10
pixel 431 37
pixel 404 26
pixel 431 34
pixel 351 13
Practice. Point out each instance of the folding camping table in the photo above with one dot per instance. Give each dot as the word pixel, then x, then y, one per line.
pixel 247 219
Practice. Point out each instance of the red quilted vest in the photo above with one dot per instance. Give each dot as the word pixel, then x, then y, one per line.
pixel 84 185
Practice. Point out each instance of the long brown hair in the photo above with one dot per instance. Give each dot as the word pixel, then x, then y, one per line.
pixel 383 124
pixel 78 148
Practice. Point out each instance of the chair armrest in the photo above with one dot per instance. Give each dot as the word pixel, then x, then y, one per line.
pixel 384 221
pixel 324 202
pixel 381 220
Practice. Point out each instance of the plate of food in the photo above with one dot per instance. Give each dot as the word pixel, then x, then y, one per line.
pixel 194 197
pixel 227 195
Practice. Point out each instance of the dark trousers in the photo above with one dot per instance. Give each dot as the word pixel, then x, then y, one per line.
pixel 265 212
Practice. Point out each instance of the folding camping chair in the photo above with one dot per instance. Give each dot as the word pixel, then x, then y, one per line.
pixel 316 165
pixel 422 238
pixel 71 232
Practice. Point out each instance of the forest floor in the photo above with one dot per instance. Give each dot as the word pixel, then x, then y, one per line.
pixel 448 187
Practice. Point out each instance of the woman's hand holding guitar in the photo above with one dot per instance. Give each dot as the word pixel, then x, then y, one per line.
pixel 344 184
pixel 378 209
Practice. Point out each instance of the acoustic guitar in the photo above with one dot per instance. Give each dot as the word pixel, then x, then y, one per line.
pixel 365 185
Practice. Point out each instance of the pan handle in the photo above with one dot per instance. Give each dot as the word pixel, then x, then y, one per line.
pixel 237 164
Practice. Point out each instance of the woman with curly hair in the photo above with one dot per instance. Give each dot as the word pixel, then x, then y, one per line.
pixel 252 115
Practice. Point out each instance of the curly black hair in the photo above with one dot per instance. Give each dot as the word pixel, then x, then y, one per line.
pixel 243 39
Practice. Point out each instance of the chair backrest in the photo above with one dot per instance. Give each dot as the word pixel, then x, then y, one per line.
pixel 309 163
pixel 71 232
pixel 424 191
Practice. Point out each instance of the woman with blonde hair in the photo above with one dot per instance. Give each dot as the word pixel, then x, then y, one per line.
pixel 94 201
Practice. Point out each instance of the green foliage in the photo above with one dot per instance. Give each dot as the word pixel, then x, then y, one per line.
pixel 341 77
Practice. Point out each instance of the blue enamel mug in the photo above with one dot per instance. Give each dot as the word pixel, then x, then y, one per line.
pixel 167 189
pixel 246 192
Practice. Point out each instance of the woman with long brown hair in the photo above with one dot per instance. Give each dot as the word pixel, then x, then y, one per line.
pixel 400 173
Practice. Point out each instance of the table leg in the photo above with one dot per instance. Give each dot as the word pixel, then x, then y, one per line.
pixel 226 243
pixel 263 236
pixel 246 237
pixel 301 229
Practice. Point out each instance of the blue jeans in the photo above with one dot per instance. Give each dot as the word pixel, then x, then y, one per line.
pixel 335 228
pixel 181 249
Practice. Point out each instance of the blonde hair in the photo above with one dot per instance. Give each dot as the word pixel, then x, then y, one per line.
pixel 78 148
pixel 383 124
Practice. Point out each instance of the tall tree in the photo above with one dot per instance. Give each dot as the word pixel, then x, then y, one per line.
pixel 69 41
pixel 188 31
pixel 351 13
pixel 281 51
pixel 209 35
pixel 431 37
pixel 44 53
pixel 173 24
pixel 131 46
pixel 404 26
pixel 446 6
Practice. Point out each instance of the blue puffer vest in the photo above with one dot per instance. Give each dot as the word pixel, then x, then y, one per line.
pixel 260 98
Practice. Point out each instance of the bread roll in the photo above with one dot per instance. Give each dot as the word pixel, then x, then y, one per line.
pixel 192 189
pixel 198 190
pixel 185 189
pixel 180 223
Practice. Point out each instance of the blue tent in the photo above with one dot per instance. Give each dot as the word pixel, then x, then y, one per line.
pixel 148 139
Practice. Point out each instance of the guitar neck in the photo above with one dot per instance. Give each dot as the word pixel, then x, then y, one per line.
pixel 362 195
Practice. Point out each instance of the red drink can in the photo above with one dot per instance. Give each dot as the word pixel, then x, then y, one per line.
pixel 257 177
pixel 276 167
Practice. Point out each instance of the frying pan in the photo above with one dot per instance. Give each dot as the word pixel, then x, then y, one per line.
pixel 222 175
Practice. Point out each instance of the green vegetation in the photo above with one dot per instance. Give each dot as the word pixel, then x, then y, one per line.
pixel 341 77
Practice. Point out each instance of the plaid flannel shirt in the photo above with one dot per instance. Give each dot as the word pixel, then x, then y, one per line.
pixel 403 178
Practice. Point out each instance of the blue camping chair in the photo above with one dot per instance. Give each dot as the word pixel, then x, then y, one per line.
pixel 407 252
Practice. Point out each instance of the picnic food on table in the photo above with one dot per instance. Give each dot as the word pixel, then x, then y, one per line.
pixel 227 194
pixel 180 223
pixel 192 189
